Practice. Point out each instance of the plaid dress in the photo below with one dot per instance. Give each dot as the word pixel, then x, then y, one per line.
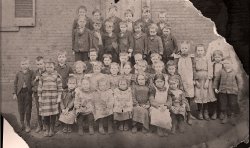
pixel 49 88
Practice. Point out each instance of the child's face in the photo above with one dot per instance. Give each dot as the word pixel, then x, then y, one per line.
pixel 184 48
pixel 82 13
pixel 217 58
pixel 146 13
pixel 162 17
pixel 107 61
pixel 123 58
pixel 103 85
pixel 109 29
pixel 128 16
pixel 137 28
pixel 24 65
pixel 96 69
pixel 152 31
pixel 141 67
pixel 85 85
pixel 93 56
pixel 97 16
pixel 127 69
pixel 61 59
pixel 97 26
pixel 141 80
pixel 113 11
pixel 173 86
pixel 123 28
pixel 158 68
pixel 123 85
pixel 49 67
pixel 81 23
pixel 79 68
pixel 155 59
pixel 40 64
pixel 138 59
pixel 114 69
pixel 166 31
pixel 227 65
pixel 200 51
pixel 171 70
pixel 159 83
pixel 71 84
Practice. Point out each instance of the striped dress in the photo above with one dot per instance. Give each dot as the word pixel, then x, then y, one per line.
pixel 49 88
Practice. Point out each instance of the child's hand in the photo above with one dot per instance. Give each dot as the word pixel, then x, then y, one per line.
pixel 216 91
pixel 14 97
pixel 197 84
pixel 114 44
pixel 206 84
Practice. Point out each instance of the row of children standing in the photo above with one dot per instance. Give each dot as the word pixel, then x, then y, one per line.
pixel 116 90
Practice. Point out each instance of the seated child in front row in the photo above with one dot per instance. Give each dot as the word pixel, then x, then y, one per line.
pixel 84 106
pixel 178 104
pixel 123 104
pixel 159 112
pixel 49 92
pixel 104 102
pixel 67 115
pixel 141 94
pixel 23 93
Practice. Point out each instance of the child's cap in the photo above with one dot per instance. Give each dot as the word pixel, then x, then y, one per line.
pixel 171 63
pixel 129 11
pixel 218 52
pixel 96 11
pixel 107 56
pixel 138 56
pixel 153 26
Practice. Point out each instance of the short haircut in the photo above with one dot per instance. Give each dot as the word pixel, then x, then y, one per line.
pixel 138 24
pixel 171 63
pixel 92 50
pixel 96 11
pixel 123 23
pixel 145 8
pixel 81 7
pixel 107 56
pixel 39 58
pixel 159 76
pixel 114 64
pixel 113 6
pixel 217 52
pixel 199 45
pixel 80 63
pixel 72 78
pixel 129 11
pixel 153 26
pixel 25 59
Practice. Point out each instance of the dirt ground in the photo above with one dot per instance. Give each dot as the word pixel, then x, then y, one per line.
pixel 201 134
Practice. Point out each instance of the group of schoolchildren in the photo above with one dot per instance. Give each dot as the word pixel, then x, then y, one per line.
pixel 130 75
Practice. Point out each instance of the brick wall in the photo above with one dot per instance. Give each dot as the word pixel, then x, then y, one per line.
pixel 53 30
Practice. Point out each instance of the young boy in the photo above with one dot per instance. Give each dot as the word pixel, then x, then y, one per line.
pixel 81 41
pixel 81 13
pixel 114 19
pixel 23 93
pixel 93 55
pixel 110 45
pixel 146 19
pixel 96 17
pixel 129 14
pixel 227 84
pixel 154 41
pixel 125 39
pixel 140 40
pixel 97 36
pixel 35 80
pixel 169 44
pixel 62 68
pixel 162 22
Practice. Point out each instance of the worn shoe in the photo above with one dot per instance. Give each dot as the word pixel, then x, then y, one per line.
pixel 144 130
pixel 38 129
pixel 46 133
pixel 134 129
pixel 224 120
pixel 206 116
pixel 125 127
pixel 173 130
pixel 160 132
pixel 221 116
pixel 101 130
pixel 110 128
pixel 27 129
pixel 80 131
pixel 65 129
pixel 69 129
pixel 165 132
pixel 121 127
pixel 200 116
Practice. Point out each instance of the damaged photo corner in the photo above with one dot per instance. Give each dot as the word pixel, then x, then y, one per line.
pixel 34 28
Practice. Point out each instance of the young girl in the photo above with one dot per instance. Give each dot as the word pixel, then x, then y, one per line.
pixel 146 19
pixel 178 105
pixel 141 94
pixel 227 84
pixel 159 112
pixel 185 69
pixel 126 72
pixel 110 45
pixel 67 115
pixel 217 58
pixel 84 106
pixel 140 40
pixel 96 75
pixel 49 92
pixel 79 72
pixel 169 44
pixel 81 41
pixel 129 14
pixel 171 71
pixel 114 77
pixel 137 58
pixel 107 59
pixel 125 39
pixel 104 102
pixel 159 68
pixel 203 74
pixel 123 104
pixel 154 42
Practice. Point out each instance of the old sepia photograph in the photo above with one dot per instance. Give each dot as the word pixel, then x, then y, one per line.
pixel 125 73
